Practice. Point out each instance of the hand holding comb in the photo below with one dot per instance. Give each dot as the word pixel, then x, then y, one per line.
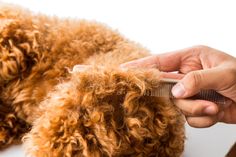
pixel 164 90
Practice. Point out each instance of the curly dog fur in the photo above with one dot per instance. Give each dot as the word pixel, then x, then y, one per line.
pixel 99 111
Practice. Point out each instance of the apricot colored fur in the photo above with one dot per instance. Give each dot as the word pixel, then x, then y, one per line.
pixel 99 111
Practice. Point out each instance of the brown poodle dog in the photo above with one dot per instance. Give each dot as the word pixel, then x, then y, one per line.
pixel 93 112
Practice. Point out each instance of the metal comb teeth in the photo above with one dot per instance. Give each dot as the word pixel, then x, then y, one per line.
pixel 164 90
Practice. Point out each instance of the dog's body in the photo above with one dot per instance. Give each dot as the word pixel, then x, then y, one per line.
pixel 96 112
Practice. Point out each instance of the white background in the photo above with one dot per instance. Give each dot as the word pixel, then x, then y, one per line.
pixel 160 26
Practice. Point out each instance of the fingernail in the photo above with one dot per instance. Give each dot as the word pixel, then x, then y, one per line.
pixel 178 90
pixel 122 66
pixel 128 64
pixel 80 68
pixel 210 110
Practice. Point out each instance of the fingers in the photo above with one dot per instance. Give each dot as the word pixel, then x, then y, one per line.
pixel 194 81
pixel 164 62
pixel 201 113
pixel 196 107
pixel 172 75
pixel 205 121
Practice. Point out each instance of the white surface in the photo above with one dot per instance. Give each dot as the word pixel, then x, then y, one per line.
pixel 209 142
pixel 161 26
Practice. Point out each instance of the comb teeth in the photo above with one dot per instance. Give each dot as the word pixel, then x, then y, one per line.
pixel 164 90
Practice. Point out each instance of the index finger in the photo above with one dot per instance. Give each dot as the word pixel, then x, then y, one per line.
pixel 167 62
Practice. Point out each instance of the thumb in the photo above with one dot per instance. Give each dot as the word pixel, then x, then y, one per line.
pixel 194 81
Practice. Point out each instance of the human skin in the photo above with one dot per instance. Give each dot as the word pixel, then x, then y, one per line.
pixel 198 67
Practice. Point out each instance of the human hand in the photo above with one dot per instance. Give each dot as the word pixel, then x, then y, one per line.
pixel 199 67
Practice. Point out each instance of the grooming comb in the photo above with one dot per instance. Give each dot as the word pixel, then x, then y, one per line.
pixel 164 90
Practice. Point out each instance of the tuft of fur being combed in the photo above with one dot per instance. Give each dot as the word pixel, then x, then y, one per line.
pixel 105 112
pixel 102 111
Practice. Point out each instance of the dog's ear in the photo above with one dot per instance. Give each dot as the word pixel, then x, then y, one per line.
pixel 18 48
